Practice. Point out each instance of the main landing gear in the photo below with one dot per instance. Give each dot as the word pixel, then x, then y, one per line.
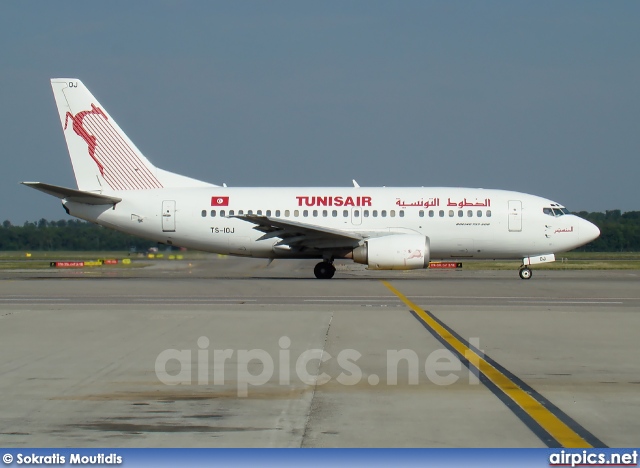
pixel 324 270
pixel 525 272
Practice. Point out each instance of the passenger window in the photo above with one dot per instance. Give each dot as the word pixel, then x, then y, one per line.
pixel 250 212
pixel 231 212
pixel 421 213
pixel 431 213
pixel 334 213
pixel 383 213
pixel 213 213
pixel 366 213
pixel 375 213
pixel 345 213
pixel 401 214
pixel 268 213
pixel 221 212
pixel 488 213
pixel 287 213
pixel 450 213
pixel 277 213
pixel 204 213
pixel 325 213
pixel 259 212
pixel 392 213
pixel 305 213
pixel 356 213
pixel 240 212
pixel 296 213
pixel 460 213
pixel 441 213
pixel 469 213
pixel 315 213
pixel 479 213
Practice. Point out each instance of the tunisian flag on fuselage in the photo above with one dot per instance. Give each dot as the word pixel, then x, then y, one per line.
pixel 219 201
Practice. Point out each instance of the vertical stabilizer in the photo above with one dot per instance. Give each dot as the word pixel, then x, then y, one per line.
pixel 102 155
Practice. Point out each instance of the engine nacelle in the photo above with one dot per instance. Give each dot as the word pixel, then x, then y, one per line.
pixel 394 252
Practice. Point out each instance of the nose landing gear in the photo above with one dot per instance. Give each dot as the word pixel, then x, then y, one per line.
pixel 525 273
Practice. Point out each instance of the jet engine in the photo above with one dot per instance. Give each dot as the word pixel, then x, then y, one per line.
pixel 394 252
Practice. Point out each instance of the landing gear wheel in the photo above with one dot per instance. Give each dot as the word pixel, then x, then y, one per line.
pixel 525 273
pixel 324 270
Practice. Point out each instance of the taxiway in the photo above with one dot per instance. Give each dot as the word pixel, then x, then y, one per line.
pixel 80 353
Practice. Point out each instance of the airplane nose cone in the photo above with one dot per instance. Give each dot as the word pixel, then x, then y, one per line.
pixel 588 231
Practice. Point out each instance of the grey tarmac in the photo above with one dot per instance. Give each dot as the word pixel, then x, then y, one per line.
pixel 79 351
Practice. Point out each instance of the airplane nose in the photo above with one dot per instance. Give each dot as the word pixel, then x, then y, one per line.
pixel 588 231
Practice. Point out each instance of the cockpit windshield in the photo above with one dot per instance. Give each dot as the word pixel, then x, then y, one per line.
pixel 555 211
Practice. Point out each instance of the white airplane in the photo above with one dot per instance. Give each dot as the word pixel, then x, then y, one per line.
pixel 385 228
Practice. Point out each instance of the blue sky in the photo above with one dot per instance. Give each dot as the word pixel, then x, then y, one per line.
pixel 540 97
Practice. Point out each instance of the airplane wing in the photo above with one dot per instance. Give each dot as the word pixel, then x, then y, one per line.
pixel 73 195
pixel 301 236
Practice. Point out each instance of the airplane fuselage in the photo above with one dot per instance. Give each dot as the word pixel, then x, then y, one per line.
pixel 460 222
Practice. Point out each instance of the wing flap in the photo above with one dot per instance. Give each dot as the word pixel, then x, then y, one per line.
pixel 73 195
pixel 302 235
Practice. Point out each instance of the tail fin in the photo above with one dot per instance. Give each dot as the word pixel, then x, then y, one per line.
pixel 102 155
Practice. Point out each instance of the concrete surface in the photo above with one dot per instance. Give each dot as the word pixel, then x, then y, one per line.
pixel 79 351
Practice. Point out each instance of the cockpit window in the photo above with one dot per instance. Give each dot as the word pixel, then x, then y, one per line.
pixel 555 211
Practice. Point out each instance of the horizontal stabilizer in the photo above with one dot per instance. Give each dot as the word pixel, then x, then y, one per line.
pixel 73 195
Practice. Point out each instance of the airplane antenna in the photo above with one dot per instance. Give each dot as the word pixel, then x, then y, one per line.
pixel 355 184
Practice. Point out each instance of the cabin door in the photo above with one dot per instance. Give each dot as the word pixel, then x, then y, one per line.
pixel 168 216
pixel 515 215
